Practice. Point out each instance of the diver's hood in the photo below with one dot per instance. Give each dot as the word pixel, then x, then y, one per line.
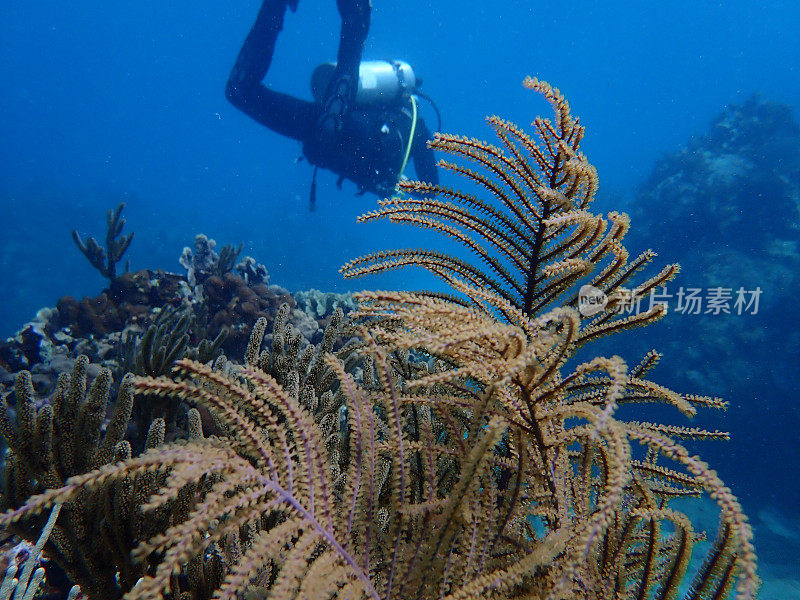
pixel 379 81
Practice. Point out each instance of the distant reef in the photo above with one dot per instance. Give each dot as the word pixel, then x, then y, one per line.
pixel 726 206
pixel 210 306
pixel 729 196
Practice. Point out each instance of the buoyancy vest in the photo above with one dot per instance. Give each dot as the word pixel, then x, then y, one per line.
pixel 372 147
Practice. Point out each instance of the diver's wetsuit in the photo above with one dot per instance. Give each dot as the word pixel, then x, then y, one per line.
pixel 365 144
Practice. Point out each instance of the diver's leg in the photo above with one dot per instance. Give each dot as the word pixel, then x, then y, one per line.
pixel 341 92
pixel 282 113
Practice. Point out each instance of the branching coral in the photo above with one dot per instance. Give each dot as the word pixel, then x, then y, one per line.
pixel 105 260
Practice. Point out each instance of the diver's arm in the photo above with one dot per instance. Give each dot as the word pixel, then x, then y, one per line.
pixel 341 93
pixel 282 113
pixel 424 159
pixel 355 27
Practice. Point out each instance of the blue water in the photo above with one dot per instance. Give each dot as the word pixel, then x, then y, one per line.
pixel 103 102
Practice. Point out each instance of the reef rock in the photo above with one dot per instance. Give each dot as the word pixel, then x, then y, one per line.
pixel 727 208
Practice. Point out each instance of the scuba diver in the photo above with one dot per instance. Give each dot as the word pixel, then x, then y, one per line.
pixel 364 122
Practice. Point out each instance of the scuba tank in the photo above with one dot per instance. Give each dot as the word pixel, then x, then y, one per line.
pixel 379 81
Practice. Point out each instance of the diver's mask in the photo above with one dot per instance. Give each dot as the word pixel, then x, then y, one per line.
pixel 379 81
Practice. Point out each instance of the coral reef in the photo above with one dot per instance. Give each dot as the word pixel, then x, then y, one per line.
pixel 127 299
pixel 733 196
pixel 234 305
pixel 727 206
pixel 131 304
pixel 68 427
pixel 739 181
pixel 470 454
